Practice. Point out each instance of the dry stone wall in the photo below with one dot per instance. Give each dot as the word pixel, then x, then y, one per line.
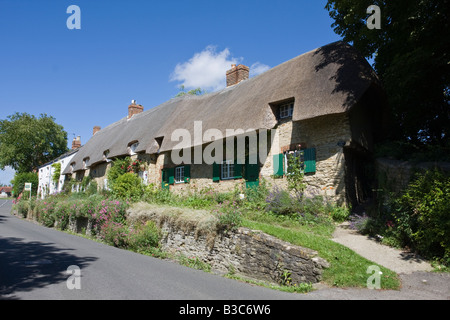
pixel 247 252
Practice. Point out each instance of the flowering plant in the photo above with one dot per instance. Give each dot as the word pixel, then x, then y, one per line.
pixel 228 215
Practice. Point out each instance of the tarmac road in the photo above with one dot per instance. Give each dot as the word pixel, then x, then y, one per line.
pixel 34 261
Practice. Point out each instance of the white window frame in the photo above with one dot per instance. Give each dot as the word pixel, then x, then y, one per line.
pixel 286 110
pixel 133 148
pixel 227 170
pixel 179 174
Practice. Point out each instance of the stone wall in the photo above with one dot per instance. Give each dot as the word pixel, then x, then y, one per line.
pixel 395 175
pixel 246 252
pixel 327 134
pixel 249 253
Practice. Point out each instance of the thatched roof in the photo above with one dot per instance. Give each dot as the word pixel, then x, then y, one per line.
pixel 328 80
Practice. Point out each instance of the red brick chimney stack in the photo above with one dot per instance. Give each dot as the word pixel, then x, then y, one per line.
pixel 96 129
pixel 134 108
pixel 237 74
pixel 76 143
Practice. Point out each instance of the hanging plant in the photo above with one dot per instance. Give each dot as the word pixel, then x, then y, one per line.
pixel 56 173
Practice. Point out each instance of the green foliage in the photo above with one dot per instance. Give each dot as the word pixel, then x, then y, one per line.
pixel 27 142
pixel 143 236
pixel 295 175
pixel 19 182
pixel 128 186
pixel 193 92
pixel 422 215
pixel 229 215
pixel 411 59
pixel 194 263
pixel 255 197
pixel 56 173
pixel 118 168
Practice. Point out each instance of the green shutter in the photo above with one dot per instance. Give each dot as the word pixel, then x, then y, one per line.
pixel 171 173
pixel 216 172
pixel 187 174
pixel 278 165
pixel 237 170
pixel 310 160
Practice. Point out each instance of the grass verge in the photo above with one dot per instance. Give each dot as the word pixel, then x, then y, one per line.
pixel 348 269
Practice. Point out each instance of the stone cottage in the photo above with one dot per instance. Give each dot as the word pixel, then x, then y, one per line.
pixel 325 106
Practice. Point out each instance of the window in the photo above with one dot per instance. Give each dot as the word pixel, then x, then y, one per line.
pixel 227 171
pixel 298 155
pixel 286 110
pixel 133 148
pixel 105 154
pixel 179 174
pixel 85 163
pixel 175 175
pixel 306 157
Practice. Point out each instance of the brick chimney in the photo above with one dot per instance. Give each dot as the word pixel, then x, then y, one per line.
pixel 134 108
pixel 76 143
pixel 96 129
pixel 237 74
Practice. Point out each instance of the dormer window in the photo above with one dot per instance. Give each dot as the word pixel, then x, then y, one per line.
pixel 85 163
pixel 132 148
pixel 286 110
pixel 283 109
pixel 105 155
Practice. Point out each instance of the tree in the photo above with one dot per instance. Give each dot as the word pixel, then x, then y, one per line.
pixel 411 54
pixel 21 178
pixel 27 142
pixel 193 92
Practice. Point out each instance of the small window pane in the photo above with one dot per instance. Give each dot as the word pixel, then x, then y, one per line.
pixel 179 174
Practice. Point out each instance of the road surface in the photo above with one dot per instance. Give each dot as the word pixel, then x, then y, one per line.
pixel 34 262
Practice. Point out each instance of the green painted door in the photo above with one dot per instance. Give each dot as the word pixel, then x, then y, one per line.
pixel 251 175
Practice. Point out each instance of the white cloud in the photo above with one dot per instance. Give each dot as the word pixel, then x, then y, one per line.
pixel 207 69
pixel 258 68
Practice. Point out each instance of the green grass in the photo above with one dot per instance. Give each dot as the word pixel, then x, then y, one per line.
pixel 348 269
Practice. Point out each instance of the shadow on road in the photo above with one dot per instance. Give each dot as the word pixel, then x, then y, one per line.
pixel 25 266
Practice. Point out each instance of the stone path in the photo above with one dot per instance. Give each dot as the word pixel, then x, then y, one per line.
pixel 418 283
pixel 400 261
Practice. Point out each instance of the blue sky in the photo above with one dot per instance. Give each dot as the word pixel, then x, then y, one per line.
pixel 140 49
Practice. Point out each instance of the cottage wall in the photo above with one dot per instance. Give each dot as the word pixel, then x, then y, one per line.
pixel 327 134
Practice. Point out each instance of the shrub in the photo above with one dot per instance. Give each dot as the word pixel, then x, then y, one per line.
pixel 118 168
pixel 45 211
pixel 339 214
pixel 143 236
pixel 19 183
pixel 229 215
pixel 61 214
pixel 360 223
pixel 281 202
pixel 21 207
pixel 128 186
pixel 422 215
